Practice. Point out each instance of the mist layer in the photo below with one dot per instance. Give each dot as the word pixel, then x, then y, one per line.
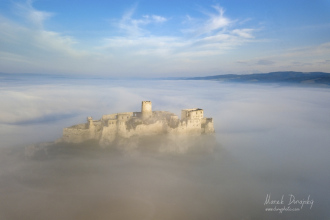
pixel 270 140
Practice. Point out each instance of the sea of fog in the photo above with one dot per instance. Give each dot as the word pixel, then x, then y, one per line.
pixel 273 147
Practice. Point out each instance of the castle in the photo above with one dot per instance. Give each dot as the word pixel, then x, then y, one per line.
pixel 146 122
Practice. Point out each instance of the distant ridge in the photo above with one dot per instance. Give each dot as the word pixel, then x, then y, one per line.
pixel 320 79
pixel 309 78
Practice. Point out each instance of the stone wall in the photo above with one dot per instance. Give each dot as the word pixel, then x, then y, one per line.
pixel 194 113
pixel 76 135
pixel 144 123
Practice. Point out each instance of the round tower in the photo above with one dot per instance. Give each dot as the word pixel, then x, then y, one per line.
pixel 146 109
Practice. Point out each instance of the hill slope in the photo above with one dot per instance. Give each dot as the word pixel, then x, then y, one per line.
pixel 273 77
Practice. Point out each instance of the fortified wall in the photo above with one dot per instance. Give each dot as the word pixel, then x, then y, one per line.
pixel 146 122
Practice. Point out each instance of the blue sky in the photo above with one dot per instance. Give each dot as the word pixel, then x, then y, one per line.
pixel 150 38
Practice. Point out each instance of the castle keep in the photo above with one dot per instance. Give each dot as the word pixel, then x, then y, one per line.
pixel 146 122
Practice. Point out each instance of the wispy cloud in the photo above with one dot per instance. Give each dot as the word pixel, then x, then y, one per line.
pixel 244 33
pixel 205 41
pixel 307 59
pixel 265 62
pixel 30 14
pixel 29 47
pixel 147 43
pixel 214 35
pixel 215 21
pixel 133 26
pixel 34 43
pixel 318 50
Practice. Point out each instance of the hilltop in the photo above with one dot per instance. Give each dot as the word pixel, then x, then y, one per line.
pixel 290 77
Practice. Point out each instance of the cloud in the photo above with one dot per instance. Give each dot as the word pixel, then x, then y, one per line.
pixel 300 64
pixel 36 37
pixel 306 59
pixel 34 46
pixel 144 45
pixel 33 16
pixel 156 18
pixel 244 33
pixel 214 22
pixel 136 44
pixel 211 36
pixel 265 62
pixel 312 58
pixel 318 50
pixel 135 26
pixel 325 62
pixel 28 46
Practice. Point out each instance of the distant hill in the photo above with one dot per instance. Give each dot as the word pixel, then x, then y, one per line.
pixel 288 77
pixel 310 78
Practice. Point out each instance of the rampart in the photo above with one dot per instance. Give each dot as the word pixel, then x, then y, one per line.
pixel 144 123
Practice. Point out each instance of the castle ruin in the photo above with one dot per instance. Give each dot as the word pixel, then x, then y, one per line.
pixel 144 123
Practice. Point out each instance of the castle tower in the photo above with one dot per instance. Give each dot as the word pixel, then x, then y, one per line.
pixel 146 109
pixel 91 127
pixel 90 123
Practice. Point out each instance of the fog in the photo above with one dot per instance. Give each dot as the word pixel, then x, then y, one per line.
pixel 271 139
